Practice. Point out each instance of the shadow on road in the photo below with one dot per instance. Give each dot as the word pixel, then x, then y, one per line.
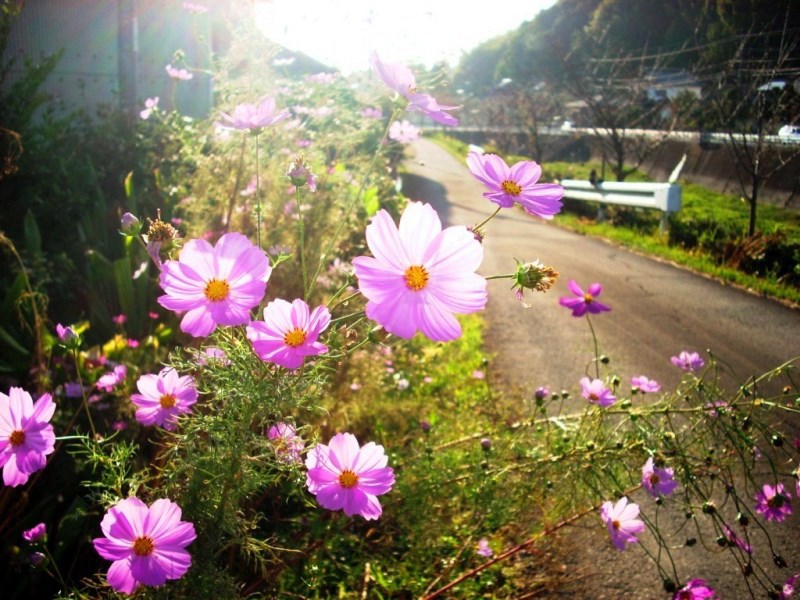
pixel 416 187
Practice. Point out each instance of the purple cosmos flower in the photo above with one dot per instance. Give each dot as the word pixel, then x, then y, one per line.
pixel 688 361
pixel 695 589
pixel 112 379
pixel 421 275
pixel 484 549
pixel 735 540
pixel 542 392
pixel 73 389
pixel 643 384
pixel 66 335
pixel 659 481
pixel 399 77
pixel 35 533
pixel 215 285
pixel 249 116
pixel 584 301
pixel 620 518
pixel 178 74
pixel 163 397
pixel 343 476
pixel 508 185
pixel 774 502
pixel 150 105
pixel 789 586
pixel 403 132
pixel 596 392
pixel 147 544
pixel 26 436
pixel 288 445
pixel 289 333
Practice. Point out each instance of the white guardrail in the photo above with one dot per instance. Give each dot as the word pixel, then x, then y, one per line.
pixel 665 197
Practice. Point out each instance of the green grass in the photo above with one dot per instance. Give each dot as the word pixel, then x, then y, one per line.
pixel 709 229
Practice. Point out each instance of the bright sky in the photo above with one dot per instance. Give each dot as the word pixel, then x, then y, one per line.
pixel 342 33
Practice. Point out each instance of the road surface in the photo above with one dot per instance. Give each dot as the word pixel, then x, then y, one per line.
pixel 657 310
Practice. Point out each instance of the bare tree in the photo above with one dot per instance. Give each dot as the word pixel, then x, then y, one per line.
pixel 752 96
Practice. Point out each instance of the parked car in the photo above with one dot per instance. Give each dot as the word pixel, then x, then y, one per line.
pixel 789 132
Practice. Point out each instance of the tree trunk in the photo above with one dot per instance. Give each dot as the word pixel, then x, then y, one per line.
pixel 753 206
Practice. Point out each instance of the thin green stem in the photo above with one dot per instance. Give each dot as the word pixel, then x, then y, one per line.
pixel 487 219
pixel 596 349
pixel 301 232
pixel 76 358
pixel 354 200
pixel 258 198
pixel 52 561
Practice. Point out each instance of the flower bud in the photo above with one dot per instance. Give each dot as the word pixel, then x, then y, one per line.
pixel 129 225
pixel 533 276
pixel 486 443
pixel 300 174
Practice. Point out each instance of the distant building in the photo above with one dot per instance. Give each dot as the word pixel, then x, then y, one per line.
pixel 667 85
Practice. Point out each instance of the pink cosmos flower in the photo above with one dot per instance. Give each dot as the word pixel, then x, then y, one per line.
pixel 343 476
pixel 249 116
pixel 659 481
pixel 688 361
pixel 421 275
pixel 372 113
pixel 321 78
pixel 399 77
pixel 508 185
pixel 596 392
pixel 403 132
pixel 213 355
pixel 112 379
pixel 288 445
pixel 178 74
pixel 163 397
pixel 584 301
pixel 197 9
pixel 119 319
pixel 735 540
pixel 252 187
pixel 621 521
pixel 289 332
pixel 695 589
pixel 150 105
pixel 643 384
pixel 542 392
pixel 215 285
pixel 26 436
pixel 35 533
pixel 774 502
pixel 484 549
pixel 789 586
pixel 147 544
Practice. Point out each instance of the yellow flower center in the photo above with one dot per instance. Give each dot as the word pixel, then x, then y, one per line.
pixel 348 479
pixel 167 401
pixel 143 546
pixel 416 278
pixel 17 438
pixel 588 298
pixel 217 290
pixel 295 337
pixel 511 188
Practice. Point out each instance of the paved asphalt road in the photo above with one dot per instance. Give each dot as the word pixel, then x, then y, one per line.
pixel 657 310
